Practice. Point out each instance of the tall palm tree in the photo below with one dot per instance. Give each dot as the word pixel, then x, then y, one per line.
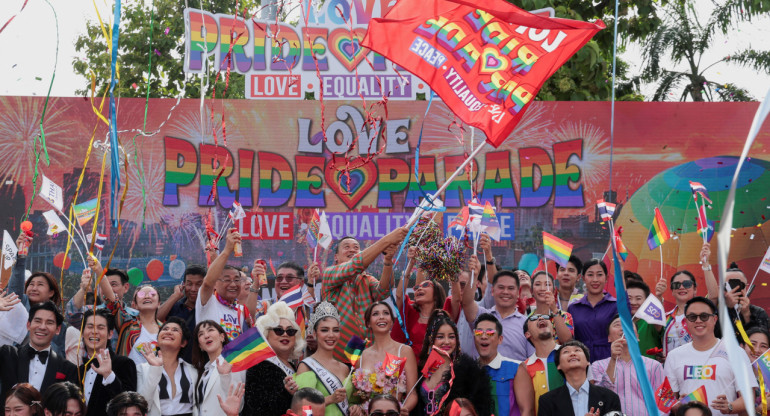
pixel 683 38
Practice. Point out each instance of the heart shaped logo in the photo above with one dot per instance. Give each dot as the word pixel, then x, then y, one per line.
pixel 492 61
pixel 351 191
pixel 346 46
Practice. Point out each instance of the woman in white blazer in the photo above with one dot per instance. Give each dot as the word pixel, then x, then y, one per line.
pixel 215 374
pixel 166 381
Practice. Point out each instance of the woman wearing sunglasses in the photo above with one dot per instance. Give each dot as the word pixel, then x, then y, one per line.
pixel 683 288
pixel 321 371
pixel 270 384
pixel 546 304
pixel 384 405
pixel 373 375
pixel 458 376
pixel 215 376
pixel 428 296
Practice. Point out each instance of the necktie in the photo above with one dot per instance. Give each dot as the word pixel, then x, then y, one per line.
pixel 41 355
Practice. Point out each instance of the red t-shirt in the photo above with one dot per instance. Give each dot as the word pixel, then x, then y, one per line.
pixel 413 326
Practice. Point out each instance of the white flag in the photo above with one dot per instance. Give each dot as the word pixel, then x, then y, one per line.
pixel 52 193
pixel 652 311
pixel 9 251
pixel 765 265
pixel 55 225
pixel 324 232
pixel 425 207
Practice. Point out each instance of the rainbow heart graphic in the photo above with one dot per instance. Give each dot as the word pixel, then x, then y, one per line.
pixel 492 61
pixel 362 179
pixel 346 46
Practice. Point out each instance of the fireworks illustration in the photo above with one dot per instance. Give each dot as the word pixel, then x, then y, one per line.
pixel 595 163
pixel 19 125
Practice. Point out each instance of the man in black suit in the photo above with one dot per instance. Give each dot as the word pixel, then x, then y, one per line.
pixel 577 396
pixel 35 363
pixel 104 374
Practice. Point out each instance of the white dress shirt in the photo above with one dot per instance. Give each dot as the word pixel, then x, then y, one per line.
pixel 37 369
pixel 90 379
pixel 579 398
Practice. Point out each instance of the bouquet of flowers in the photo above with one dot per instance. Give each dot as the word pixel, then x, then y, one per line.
pixel 382 380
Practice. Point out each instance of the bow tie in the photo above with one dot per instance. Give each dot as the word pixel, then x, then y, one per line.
pixel 41 355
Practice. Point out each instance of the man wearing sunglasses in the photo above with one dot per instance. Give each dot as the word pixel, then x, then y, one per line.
pixel 512 393
pixel 737 299
pixel 541 365
pixel 704 361
pixel 347 285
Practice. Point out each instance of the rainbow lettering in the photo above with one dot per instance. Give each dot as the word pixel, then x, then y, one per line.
pixel 567 174
pixel 700 372
pixel 535 195
pixel 427 181
pixel 310 181
pixel 269 164
pixel 393 177
pixel 181 166
pixel 460 189
pixel 497 179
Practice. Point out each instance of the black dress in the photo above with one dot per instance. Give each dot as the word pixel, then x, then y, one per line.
pixel 265 392
pixel 470 382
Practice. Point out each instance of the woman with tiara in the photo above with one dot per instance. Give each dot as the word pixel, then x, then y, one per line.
pixel 320 370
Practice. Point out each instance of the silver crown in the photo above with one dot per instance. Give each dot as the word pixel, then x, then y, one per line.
pixel 321 311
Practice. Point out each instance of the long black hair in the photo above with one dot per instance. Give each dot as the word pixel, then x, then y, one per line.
pixel 200 358
pixel 438 318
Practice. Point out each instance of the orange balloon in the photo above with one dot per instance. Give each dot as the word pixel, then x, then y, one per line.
pixel 154 269
pixel 59 261
pixel 26 226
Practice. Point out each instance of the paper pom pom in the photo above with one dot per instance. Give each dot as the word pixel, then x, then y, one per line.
pixel 426 233
pixel 443 260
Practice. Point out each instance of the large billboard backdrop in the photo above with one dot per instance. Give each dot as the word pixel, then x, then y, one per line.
pixel 546 176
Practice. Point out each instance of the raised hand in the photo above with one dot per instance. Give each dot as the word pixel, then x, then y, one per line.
pixel 474 265
pixel 485 243
pixel 705 253
pixel 660 287
pixel 313 273
pixel 105 363
pixel 231 405
pixel 390 252
pixel 233 237
pixel 223 366
pixel 153 359
pixel 339 396
pixel 8 301
pixel 85 280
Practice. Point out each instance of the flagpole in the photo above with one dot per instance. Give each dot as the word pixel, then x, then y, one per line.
pixel 748 288
pixel 449 180
pixel 705 230
pixel 661 259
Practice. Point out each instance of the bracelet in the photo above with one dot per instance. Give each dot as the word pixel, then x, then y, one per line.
pixel 388 264
pixel 252 290
pixel 706 268
pixel 491 261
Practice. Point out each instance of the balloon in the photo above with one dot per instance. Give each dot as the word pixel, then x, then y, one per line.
pixel 59 260
pixel 26 226
pixel 528 262
pixel 154 269
pixel 176 269
pixel 135 276
pixel 670 191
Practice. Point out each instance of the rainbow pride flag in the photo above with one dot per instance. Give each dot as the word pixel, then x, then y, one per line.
pixel 622 250
pixel 658 232
pixel 699 395
pixel 556 249
pixel 248 350
pixel 354 348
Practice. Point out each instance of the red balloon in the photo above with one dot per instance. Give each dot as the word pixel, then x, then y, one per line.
pixel 59 260
pixel 154 269
pixel 26 226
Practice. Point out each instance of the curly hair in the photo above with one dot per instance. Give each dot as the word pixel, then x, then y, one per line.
pixel 272 318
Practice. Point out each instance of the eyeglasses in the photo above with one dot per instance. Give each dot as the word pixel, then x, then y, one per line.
pixel 280 331
pixel 687 284
pixel 538 317
pixel 703 316
pixel 424 284
pixel 381 413
pixel 145 293
pixel 228 282
pixel 481 332
pixel 288 278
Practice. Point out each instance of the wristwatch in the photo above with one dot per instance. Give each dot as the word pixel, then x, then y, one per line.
pixel 252 290
pixel 491 261
pixel 730 407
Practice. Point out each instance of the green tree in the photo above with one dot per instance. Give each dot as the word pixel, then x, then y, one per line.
pixel 587 76
pixel 166 50
pixel 684 39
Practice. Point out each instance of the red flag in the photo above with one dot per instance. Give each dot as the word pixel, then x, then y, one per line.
pixel 664 397
pixel 393 365
pixel 432 364
pixel 486 64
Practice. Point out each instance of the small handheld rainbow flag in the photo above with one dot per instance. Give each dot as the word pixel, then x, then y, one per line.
pixel 556 249
pixel 622 250
pixel 353 350
pixel 699 395
pixel 658 232
pixel 248 350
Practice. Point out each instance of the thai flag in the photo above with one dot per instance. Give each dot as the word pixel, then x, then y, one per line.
pixel 293 297
pixel 237 212
pixel 101 240
pixel 606 209
pixel 698 188
pixel 307 299
pixel 475 209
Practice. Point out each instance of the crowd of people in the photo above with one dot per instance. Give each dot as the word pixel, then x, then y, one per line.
pixel 491 341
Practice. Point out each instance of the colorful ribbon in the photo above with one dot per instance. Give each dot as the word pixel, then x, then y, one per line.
pixel 114 146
